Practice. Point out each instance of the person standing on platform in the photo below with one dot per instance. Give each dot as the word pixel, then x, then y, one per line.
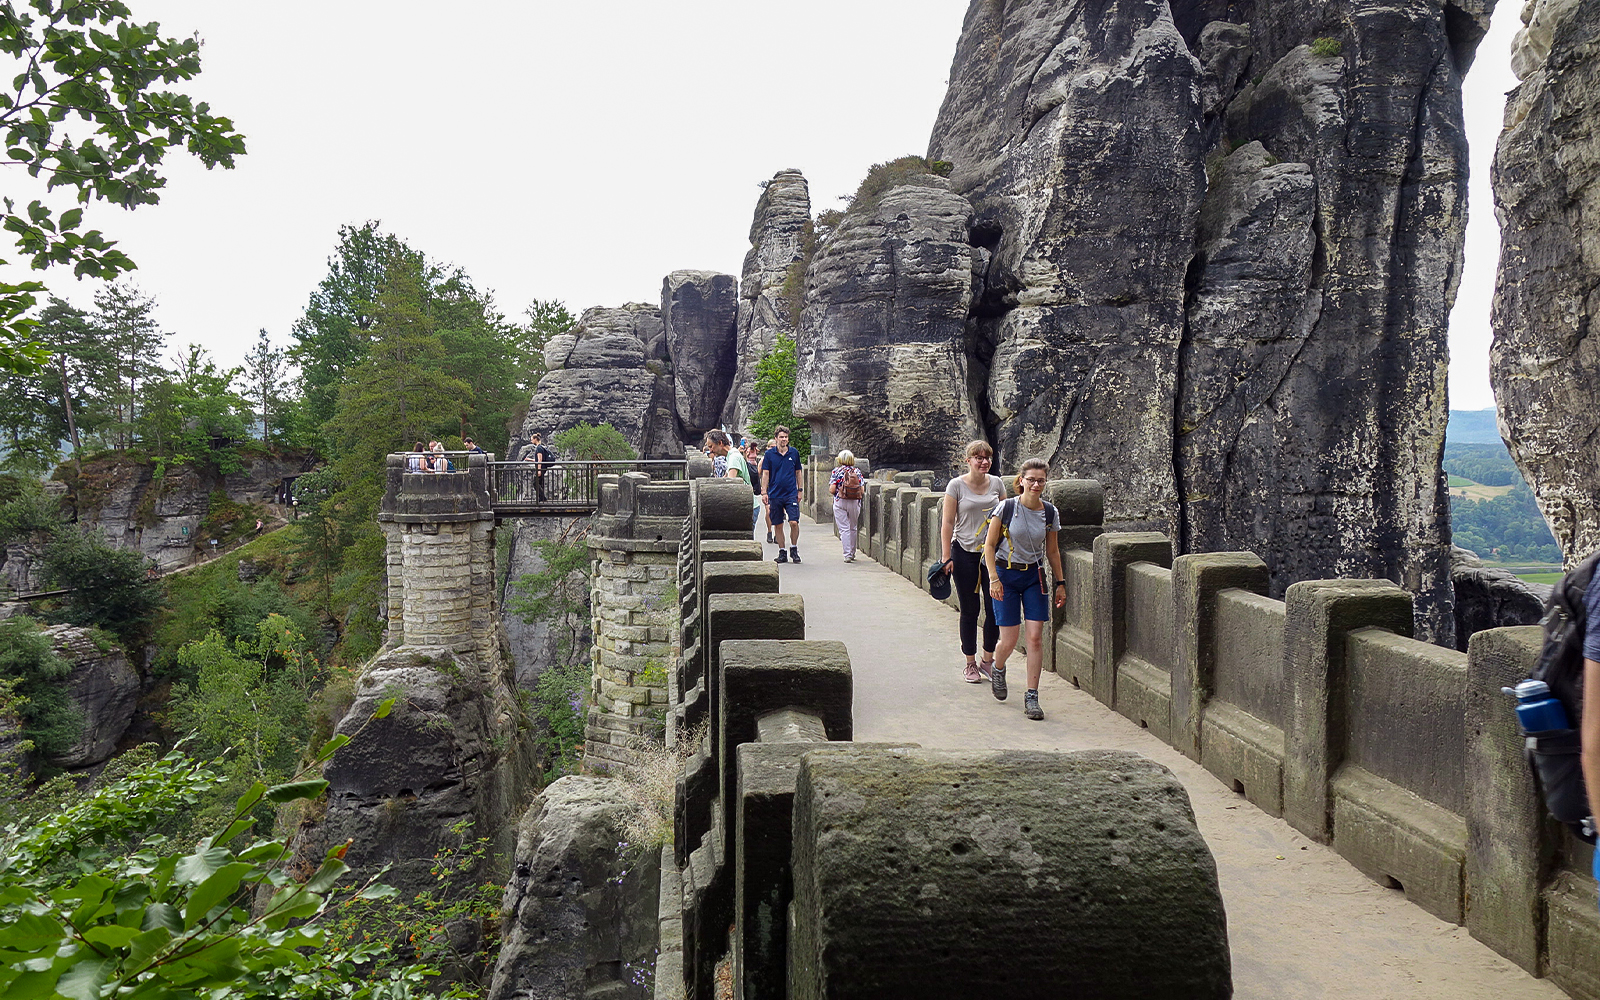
pixel 780 485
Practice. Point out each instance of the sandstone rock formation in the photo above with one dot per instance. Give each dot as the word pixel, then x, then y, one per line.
pixel 699 314
pixel 1217 244
pixel 883 361
pixel 612 368
pixel 159 517
pixel 778 236
pixel 579 916
pixel 1545 361
pixel 103 687
pixel 1491 598
pixel 454 747
pixel 536 645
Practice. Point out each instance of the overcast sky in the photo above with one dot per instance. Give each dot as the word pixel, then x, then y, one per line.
pixel 569 151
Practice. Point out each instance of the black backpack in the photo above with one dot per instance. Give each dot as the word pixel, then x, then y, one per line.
pixel 1556 756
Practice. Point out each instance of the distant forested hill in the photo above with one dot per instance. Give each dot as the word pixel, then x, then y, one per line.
pixel 1492 510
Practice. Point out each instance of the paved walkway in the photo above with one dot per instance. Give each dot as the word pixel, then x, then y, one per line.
pixel 1303 924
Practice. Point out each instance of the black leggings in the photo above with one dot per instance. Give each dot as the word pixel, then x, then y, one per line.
pixel 971 578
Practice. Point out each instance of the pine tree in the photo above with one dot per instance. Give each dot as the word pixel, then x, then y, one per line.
pixel 128 328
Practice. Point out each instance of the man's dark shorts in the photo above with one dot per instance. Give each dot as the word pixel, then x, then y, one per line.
pixel 784 509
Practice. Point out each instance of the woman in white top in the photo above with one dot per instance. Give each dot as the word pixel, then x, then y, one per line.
pixel 1023 533
pixel 968 500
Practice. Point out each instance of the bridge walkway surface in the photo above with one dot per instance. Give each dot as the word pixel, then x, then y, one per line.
pixel 1302 923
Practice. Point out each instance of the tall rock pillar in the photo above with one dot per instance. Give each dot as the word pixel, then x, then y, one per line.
pixel 454 746
pixel 1545 362
pixel 770 287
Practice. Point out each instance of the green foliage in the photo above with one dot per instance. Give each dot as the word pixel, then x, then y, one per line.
pixel 588 443
pixel 546 318
pixel 1504 528
pixel 883 176
pixel 1327 47
pixel 559 700
pixel 247 711
pixel 193 416
pixel 774 384
pixel 202 603
pixel 88 61
pixel 50 720
pixel 1486 464
pixel 419 928
pixel 25 510
pixel 111 587
pixel 93 904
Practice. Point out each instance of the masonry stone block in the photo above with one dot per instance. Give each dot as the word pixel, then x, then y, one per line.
pixel 1113 552
pixel 762 886
pixel 723 507
pixel 1319 614
pixel 1506 851
pixel 872 519
pixel 890 526
pixel 1573 946
pixel 731 550
pixel 1091 858
pixel 760 676
pixel 741 577
pixel 1196 581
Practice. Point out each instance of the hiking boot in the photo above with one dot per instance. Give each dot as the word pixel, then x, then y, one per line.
pixel 997 682
pixel 971 675
pixel 794 554
pixel 1030 706
pixel 783 556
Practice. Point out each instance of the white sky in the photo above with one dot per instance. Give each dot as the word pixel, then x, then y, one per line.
pixel 568 151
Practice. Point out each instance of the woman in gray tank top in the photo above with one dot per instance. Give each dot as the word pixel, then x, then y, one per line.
pixel 968 500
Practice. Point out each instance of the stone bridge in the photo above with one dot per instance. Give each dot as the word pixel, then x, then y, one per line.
pixel 1368 819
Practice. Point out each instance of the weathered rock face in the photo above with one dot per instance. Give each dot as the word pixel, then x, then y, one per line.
pixel 883 361
pixel 1075 129
pixel 103 687
pixel 1491 598
pixel 1220 262
pixel 535 646
pixel 580 911
pixel 1545 362
pixel 699 313
pixel 778 235
pixel 612 368
pixel 159 517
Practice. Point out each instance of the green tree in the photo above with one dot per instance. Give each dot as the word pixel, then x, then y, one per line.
pixel 774 384
pixel 111 587
pixel 85 113
pixel 586 442
pixel 67 398
pixel 126 322
pixel 26 513
pixel 247 711
pixel 332 335
pixel 50 720
pixel 264 368
pixel 193 416
pixel 545 319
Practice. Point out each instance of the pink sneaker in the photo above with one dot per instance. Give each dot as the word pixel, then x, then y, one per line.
pixel 971 675
pixel 984 667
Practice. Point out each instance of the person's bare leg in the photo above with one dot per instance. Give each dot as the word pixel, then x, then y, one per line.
pixel 1035 653
pixel 1009 634
pixel 794 533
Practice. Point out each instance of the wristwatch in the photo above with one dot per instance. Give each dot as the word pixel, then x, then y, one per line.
pixel 1061 583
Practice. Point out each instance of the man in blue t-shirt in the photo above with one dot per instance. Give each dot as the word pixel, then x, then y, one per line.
pixel 780 487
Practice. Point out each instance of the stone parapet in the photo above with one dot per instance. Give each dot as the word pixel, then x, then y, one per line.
pixel 1321 708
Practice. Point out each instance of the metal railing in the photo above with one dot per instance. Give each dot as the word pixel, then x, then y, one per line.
pixel 562 487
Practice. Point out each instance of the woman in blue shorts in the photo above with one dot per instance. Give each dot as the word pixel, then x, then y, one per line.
pixel 1022 537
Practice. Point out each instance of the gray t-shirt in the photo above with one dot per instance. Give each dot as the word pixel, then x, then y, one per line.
pixel 972 507
pixel 1023 541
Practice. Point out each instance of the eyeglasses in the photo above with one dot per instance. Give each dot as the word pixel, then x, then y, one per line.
pixel 982 458
pixel 1033 482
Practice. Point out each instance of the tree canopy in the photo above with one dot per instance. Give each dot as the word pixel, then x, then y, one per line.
pixel 87 112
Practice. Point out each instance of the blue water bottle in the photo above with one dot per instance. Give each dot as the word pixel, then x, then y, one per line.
pixel 1537 710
